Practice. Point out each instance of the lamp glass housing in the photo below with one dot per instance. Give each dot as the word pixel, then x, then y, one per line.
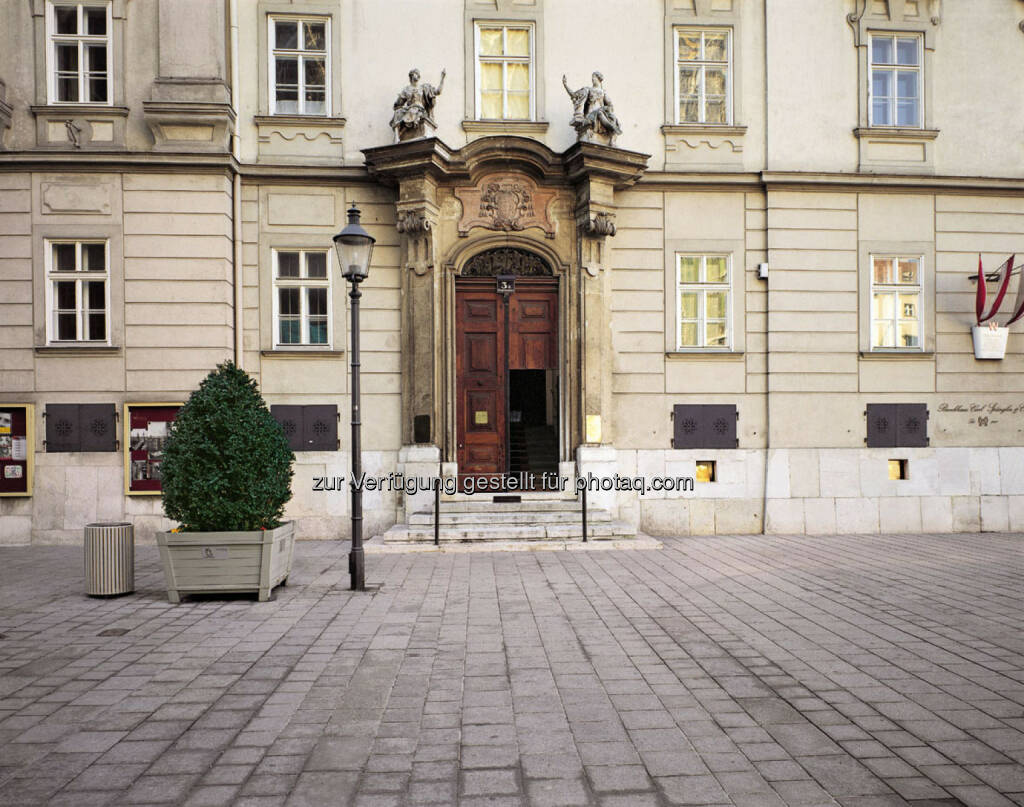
pixel 354 247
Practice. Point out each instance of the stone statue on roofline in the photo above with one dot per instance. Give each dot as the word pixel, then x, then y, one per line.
pixel 414 108
pixel 593 113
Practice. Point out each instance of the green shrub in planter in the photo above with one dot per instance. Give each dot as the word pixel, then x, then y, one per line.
pixel 227 464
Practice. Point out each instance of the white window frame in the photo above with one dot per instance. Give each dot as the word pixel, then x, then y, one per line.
pixel 302 283
pixel 272 51
pixel 895 289
pixel 917 69
pixel 79 276
pixel 701 288
pixel 52 38
pixel 531 60
pixel 703 64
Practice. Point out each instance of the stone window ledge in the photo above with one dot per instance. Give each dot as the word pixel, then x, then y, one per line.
pixel 896 132
pixel 66 110
pixel 312 121
pixel 898 354
pixel 705 355
pixel 296 353
pixel 509 127
pixel 77 350
pixel 703 128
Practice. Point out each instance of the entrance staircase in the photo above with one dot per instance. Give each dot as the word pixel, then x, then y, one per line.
pixel 467 519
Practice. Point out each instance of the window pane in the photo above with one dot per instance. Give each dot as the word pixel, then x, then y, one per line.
pixel 906 84
pixel 881 83
pixel 717 270
pixel 906 113
pixel 97 89
pixel 517 42
pixel 519 106
pixel 315 73
pixel 908 272
pixel 315 103
pixel 688 334
pixel 490 77
pixel 689 80
pixel 286 35
pixel 67 19
pixel 67 58
pixel 65 326
pixel 288 302
pixel 67 89
pixel 316 264
pixel 519 77
pixel 715 46
pixel 884 306
pixel 688 305
pixel 906 50
pixel 287 100
pixel 716 334
pixel 908 306
pixel 288 331
pixel 715 110
pixel 881 50
pixel 96 323
pixel 908 335
pixel 689 269
pixel 714 81
pixel 96 58
pixel 314 35
pixel 490 105
pixel 316 302
pixel 94 257
pixel 715 305
pixel 689 109
pixel 287 70
pixel 883 270
pixel 880 113
pixel 318 331
pixel 288 264
pixel 64 294
pixel 882 335
pixel 490 41
pixel 689 46
pixel 95 297
pixel 95 21
pixel 64 257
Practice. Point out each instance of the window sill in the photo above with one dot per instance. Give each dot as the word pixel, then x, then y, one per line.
pixel 79 109
pixel 898 354
pixel 293 119
pixel 704 355
pixel 704 128
pixel 511 127
pixel 77 350
pixel 896 132
pixel 302 353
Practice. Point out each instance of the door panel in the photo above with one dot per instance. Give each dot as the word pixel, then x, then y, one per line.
pixel 480 380
pixel 533 331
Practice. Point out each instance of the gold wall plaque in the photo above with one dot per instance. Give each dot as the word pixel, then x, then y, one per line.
pixel 593 428
pixel 480 417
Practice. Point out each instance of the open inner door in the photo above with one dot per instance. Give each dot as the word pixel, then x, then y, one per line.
pixel 507 377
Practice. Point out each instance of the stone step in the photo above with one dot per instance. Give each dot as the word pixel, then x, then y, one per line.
pixel 415 534
pixel 457 517
pixel 482 504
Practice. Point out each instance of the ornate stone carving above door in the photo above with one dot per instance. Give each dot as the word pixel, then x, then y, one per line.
pixel 507 202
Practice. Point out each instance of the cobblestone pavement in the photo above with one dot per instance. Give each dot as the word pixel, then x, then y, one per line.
pixel 751 671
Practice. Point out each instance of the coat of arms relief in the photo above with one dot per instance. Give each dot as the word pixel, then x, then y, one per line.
pixel 507 202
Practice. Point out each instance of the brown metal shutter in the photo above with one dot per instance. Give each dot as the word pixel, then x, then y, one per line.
pixel 321 427
pixel 881 425
pixel 98 427
pixel 704 426
pixel 290 418
pixel 63 428
pixel 911 425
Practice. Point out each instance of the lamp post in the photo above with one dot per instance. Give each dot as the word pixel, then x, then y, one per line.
pixel 354 246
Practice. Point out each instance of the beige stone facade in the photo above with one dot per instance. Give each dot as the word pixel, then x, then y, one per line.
pixel 820 138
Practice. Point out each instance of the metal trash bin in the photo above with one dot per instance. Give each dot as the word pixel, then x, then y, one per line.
pixel 109 558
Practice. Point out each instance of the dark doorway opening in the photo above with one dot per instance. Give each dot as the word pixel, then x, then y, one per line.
pixel 533 421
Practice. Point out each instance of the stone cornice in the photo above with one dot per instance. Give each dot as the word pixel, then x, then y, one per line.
pixel 795 179
pixel 590 160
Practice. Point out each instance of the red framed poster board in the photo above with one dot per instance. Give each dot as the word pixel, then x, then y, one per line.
pixel 146 427
pixel 17 447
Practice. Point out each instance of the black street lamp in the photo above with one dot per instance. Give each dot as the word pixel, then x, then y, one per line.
pixel 354 246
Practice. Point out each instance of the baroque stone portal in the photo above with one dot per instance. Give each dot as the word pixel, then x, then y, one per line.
pixel 593 111
pixel 414 108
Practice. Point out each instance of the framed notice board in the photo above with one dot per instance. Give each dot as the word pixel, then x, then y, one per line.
pixel 17 448
pixel 146 426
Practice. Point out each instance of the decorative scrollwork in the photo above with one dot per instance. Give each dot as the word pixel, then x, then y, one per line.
pixel 506 204
pixel 412 223
pixel 601 225
pixel 506 261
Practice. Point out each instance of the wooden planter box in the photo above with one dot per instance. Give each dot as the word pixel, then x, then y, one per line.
pixel 214 562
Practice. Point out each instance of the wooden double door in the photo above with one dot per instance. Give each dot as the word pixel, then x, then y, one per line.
pixel 496 334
